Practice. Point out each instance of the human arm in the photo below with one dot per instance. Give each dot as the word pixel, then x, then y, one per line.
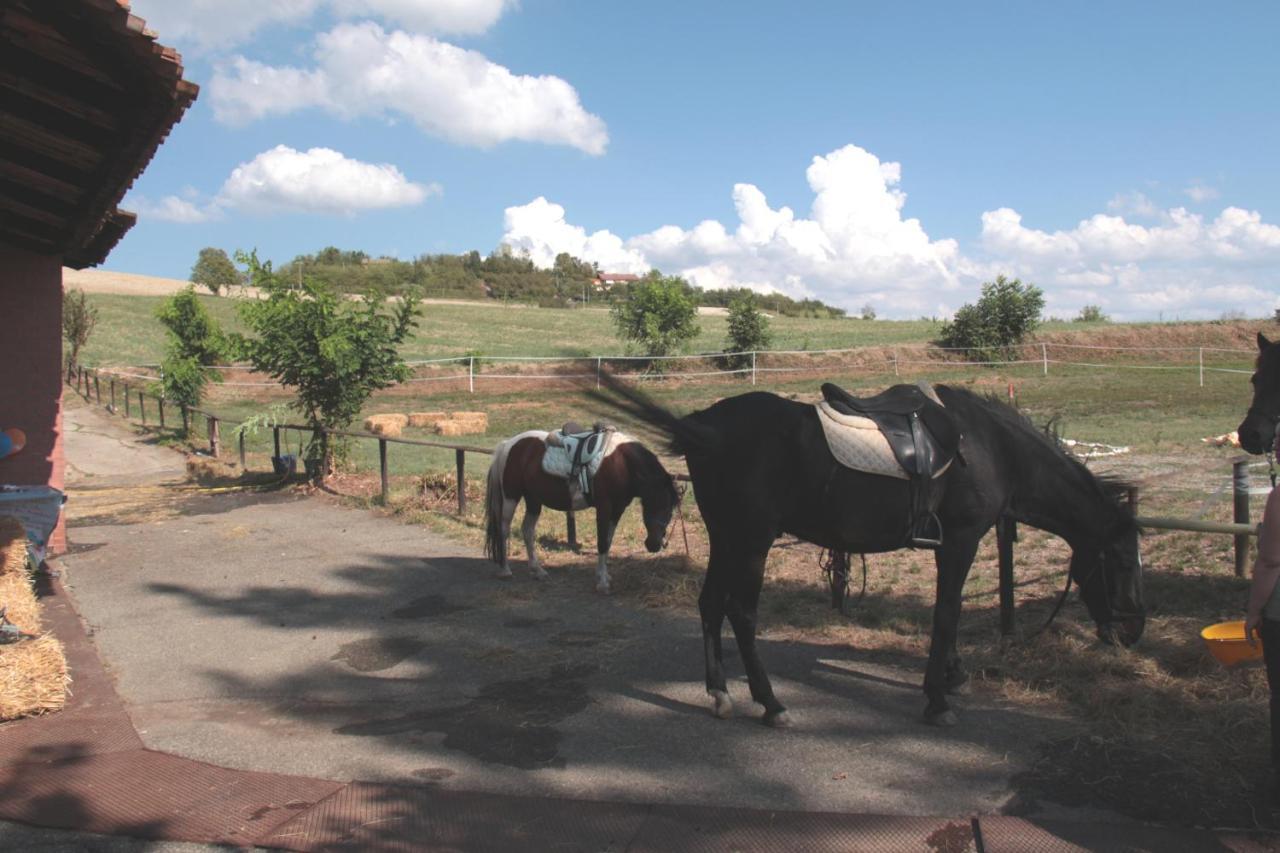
pixel 1266 568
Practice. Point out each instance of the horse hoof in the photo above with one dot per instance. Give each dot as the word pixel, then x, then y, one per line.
pixel 964 688
pixel 503 574
pixel 540 574
pixel 777 719
pixel 943 720
pixel 602 588
pixel 723 709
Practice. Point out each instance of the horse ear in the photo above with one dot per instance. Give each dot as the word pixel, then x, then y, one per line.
pixel 1263 343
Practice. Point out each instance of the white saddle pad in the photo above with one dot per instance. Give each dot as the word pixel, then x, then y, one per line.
pixel 857 443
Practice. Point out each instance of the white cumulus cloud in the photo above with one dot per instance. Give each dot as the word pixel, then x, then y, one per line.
pixel 855 247
pixel 855 243
pixel 284 180
pixel 210 25
pixel 447 91
pixel 319 180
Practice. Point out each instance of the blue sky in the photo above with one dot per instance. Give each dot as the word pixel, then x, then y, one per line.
pixel 895 155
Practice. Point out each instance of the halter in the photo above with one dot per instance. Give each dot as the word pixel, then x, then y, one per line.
pixel 1274 420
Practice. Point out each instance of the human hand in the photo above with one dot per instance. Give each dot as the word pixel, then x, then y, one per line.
pixel 1251 626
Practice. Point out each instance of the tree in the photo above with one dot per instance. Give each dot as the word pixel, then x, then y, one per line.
pixel 867 312
pixel 195 343
pixel 658 315
pixel 215 271
pixel 78 319
pixel 748 330
pixel 333 352
pixel 1091 314
pixel 1005 314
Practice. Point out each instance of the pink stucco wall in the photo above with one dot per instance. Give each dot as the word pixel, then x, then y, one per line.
pixel 31 369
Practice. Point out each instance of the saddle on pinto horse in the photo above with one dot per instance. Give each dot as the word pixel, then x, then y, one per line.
pixel 920 434
pixel 575 454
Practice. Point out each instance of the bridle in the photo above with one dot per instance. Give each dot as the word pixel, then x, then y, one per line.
pixel 1270 453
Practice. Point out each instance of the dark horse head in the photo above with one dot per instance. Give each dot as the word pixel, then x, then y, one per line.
pixel 656 490
pixel 1258 430
pixel 1108 572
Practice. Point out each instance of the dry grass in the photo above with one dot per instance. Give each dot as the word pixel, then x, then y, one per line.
pixel 33 672
pixel 474 423
pixel 390 425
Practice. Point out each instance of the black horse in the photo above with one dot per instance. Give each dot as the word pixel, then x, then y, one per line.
pixel 1258 430
pixel 761 467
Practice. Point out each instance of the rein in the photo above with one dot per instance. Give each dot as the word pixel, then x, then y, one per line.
pixel 1062 599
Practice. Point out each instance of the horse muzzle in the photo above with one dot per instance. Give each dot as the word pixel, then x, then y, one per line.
pixel 654 545
pixel 1123 631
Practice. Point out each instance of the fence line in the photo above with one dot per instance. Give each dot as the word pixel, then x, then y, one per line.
pixel 884 357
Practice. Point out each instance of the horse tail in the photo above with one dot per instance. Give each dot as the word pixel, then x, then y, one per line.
pixel 494 545
pixel 684 435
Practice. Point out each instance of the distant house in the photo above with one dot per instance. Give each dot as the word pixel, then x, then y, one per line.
pixel 89 95
pixel 606 280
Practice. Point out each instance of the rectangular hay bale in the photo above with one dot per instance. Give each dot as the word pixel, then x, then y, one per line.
pixel 426 420
pixel 33 677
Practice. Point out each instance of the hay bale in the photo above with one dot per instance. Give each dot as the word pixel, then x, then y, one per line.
pixel 33 678
pixel 426 420
pixel 33 672
pixel 13 546
pixel 465 416
pixel 389 425
pixel 463 426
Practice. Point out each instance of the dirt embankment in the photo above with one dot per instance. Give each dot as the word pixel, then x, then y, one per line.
pixel 1228 334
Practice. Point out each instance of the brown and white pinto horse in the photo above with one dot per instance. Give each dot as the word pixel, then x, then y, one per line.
pixel 629 470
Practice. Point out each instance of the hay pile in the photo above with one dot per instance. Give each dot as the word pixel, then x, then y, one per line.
pixel 463 423
pixel 33 672
pixel 389 425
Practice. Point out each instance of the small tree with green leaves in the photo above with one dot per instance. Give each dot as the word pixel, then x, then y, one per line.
pixel 78 319
pixel 658 315
pixel 1091 314
pixel 333 352
pixel 1006 313
pixel 195 343
pixel 748 331
pixel 867 312
pixel 215 271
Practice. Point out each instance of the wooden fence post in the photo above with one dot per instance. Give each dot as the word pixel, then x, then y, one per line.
pixel 160 400
pixel 113 395
pixel 275 436
pixel 212 424
pixel 243 465
pixel 382 467
pixel 126 399
pixel 460 456
pixel 186 419
pixel 97 387
pixel 142 406
pixel 1240 490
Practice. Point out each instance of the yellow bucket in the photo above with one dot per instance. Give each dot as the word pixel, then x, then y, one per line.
pixel 1226 642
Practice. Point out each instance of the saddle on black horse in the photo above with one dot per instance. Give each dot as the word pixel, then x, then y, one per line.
pixel 924 439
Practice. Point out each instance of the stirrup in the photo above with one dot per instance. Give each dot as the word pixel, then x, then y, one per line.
pixel 927 532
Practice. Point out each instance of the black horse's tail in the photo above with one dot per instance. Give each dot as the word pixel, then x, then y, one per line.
pixel 495 545
pixel 684 435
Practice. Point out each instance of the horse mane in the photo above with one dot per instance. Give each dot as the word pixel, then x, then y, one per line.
pixel 653 469
pixel 1110 487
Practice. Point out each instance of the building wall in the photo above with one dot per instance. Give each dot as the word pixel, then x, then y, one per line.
pixel 31 369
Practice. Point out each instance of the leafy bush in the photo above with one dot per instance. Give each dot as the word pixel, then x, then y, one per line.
pixel 1005 314
pixel 195 343
pixel 658 315
pixel 193 333
pixel 748 331
pixel 334 352
pixel 1091 314
pixel 215 271
pixel 78 319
